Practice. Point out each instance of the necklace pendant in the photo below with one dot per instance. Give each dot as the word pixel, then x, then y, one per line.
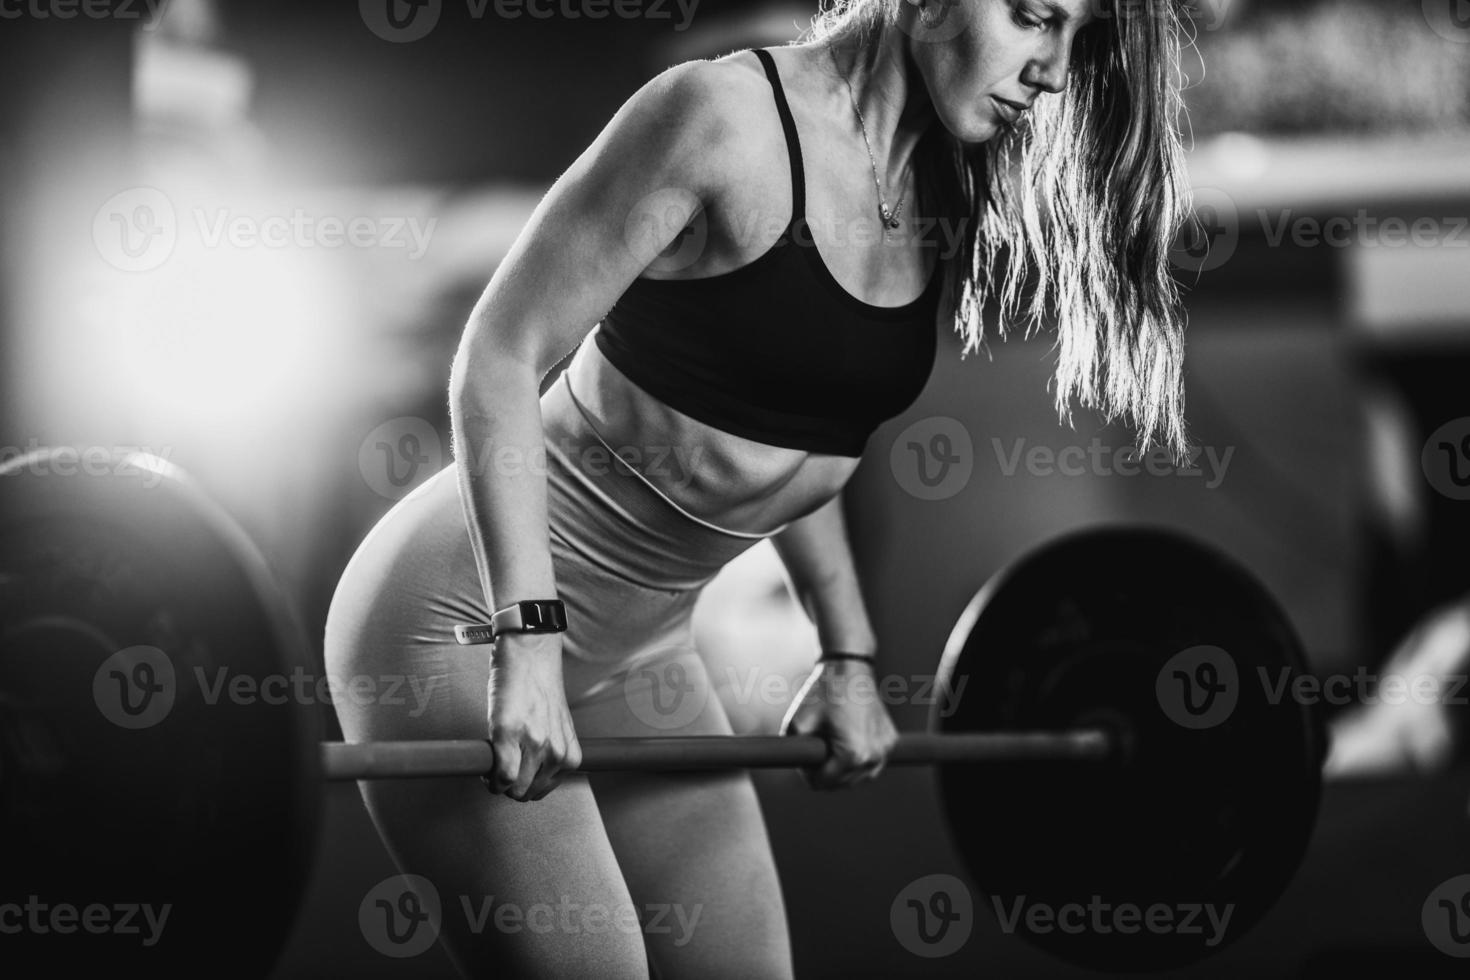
pixel 890 218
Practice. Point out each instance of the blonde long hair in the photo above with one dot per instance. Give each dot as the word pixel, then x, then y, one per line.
pixel 1070 216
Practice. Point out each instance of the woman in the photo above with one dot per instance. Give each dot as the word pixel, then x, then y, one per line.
pixel 778 235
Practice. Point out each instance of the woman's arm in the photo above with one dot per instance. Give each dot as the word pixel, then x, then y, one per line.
pixel 819 561
pixel 585 242
pixel 561 276
pixel 839 700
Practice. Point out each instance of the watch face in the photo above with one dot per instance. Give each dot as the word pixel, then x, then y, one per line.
pixel 544 614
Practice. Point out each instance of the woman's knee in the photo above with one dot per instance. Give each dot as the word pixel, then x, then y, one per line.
pixel 698 861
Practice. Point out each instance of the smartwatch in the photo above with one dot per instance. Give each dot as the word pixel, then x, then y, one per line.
pixel 528 616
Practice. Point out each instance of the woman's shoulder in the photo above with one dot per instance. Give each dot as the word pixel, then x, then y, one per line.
pixel 719 116
pixel 716 98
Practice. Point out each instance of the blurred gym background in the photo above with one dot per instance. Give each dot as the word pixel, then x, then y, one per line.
pixel 246 235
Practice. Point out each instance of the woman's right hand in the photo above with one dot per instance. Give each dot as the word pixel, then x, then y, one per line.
pixel 530 724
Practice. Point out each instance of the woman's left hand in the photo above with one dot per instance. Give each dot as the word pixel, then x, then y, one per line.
pixel 839 701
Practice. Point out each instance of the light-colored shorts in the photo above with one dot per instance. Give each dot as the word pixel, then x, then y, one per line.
pixel 629 563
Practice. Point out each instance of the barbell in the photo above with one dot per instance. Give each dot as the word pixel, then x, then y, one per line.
pixel 1111 731
pixel 471 757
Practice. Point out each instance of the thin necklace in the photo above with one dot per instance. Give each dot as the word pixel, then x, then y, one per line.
pixel 890 218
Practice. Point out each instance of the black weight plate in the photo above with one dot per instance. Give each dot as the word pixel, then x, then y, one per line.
pixel 1204 821
pixel 132 781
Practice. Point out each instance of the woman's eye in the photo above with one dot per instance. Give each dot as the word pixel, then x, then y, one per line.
pixel 1028 21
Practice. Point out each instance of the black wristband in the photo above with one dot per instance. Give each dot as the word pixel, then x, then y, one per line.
pixel 829 655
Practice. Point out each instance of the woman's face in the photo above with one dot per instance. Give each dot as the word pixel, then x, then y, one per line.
pixel 985 61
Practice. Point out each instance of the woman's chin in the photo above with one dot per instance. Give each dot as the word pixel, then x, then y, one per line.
pixel 976 129
pixel 976 133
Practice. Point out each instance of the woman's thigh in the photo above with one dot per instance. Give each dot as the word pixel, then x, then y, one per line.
pixel 693 846
pixel 526 889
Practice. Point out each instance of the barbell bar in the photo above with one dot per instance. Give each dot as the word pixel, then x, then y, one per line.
pixel 471 757
pixel 1132 652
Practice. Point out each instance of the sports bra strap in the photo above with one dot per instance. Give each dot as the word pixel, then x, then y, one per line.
pixel 793 144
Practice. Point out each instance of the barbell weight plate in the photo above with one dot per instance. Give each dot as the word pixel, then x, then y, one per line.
pixel 133 778
pixel 1209 813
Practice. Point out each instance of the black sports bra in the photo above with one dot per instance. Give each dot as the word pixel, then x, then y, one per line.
pixel 776 351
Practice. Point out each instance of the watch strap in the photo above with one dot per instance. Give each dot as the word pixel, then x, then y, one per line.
pixel 526 616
